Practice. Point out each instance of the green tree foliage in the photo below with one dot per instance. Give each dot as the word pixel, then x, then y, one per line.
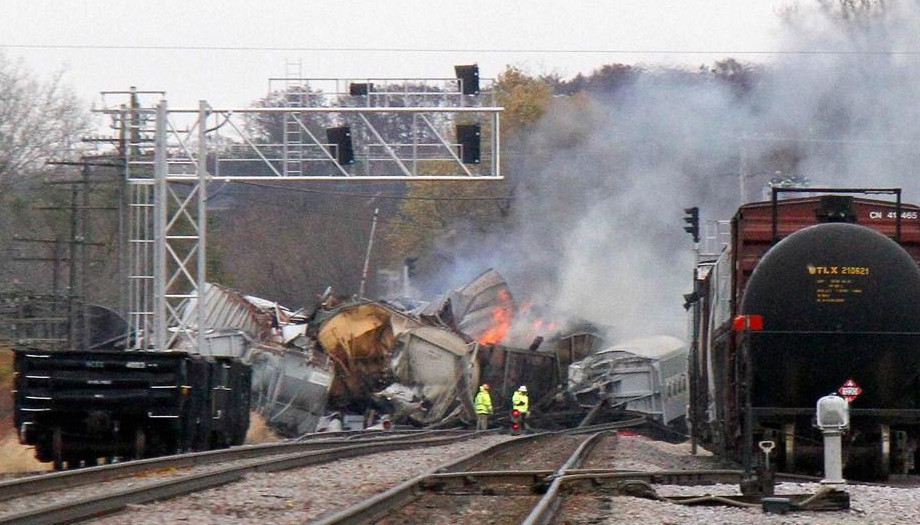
pixel 435 212
pixel 524 98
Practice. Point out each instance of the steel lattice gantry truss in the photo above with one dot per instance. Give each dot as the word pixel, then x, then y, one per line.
pixel 374 138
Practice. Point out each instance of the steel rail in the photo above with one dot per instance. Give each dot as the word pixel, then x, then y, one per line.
pixel 17 488
pixel 629 423
pixel 401 495
pixel 112 502
pixel 349 435
pixel 584 481
pixel 589 480
pixel 545 509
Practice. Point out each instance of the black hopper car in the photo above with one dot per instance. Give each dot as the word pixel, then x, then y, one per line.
pixel 77 407
pixel 812 295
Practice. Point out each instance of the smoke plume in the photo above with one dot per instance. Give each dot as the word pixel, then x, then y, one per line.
pixel 603 180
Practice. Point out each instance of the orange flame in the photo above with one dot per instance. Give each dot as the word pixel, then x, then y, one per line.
pixel 501 321
pixel 541 326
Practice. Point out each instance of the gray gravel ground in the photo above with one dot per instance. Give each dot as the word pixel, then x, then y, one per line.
pixel 303 495
pixel 869 504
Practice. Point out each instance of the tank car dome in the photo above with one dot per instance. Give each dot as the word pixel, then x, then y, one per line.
pixel 835 277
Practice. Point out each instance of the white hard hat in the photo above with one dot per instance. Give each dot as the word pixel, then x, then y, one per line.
pixel 523 388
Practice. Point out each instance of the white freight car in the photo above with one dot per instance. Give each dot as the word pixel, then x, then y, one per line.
pixel 647 375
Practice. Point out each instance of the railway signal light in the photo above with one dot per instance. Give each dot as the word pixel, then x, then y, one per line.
pixel 469 79
pixel 360 89
pixel 693 222
pixel 340 140
pixel 515 422
pixel 468 140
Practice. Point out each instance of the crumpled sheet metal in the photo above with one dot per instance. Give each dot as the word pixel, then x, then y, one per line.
pixel 435 373
pixel 419 372
pixel 632 375
pixel 471 309
pixel 358 339
pixel 290 387
pixel 226 309
pixel 291 378
pixel 475 304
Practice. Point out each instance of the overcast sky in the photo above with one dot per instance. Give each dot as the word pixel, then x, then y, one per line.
pixel 225 51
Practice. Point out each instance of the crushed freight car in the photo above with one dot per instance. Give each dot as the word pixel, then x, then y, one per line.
pixel 291 375
pixel 481 310
pixel 290 387
pixel 387 359
pixel 434 373
pixel 417 364
pixel 645 375
pixel 422 365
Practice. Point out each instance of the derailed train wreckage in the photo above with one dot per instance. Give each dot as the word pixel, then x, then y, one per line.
pixel 418 364
pixel 421 365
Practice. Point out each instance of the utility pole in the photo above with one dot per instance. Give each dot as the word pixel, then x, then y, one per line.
pixel 367 256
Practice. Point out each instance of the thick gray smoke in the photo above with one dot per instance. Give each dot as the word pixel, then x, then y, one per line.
pixel 604 182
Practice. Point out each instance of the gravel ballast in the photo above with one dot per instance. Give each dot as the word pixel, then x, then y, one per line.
pixel 307 494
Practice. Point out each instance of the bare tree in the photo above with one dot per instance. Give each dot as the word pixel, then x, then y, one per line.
pixel 38 121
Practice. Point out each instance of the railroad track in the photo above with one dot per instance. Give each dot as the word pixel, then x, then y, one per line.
pixel 415 500
pixel 222 466
pixel 522 480
pixel 465 492
pixel 39 483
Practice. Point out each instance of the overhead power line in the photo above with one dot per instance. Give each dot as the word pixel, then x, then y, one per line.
pixel 555 51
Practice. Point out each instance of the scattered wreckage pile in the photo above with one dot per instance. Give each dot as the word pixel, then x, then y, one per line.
pixel 421 364
pixel 412 364
pixel 418 364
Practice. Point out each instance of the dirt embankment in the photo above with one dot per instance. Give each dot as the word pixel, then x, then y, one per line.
pixel 6 397
pixel 13 456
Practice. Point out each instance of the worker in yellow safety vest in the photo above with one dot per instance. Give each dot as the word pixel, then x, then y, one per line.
pixel 483 406
pixel 521 403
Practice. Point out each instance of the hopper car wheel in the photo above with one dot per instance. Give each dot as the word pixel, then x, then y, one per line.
pixel 140 443
pixel 57 448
